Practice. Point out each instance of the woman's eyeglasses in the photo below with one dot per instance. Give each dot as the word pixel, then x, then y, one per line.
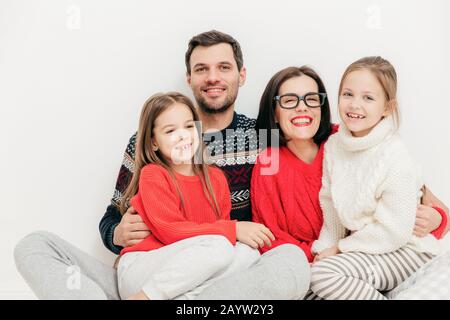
pixel 291 100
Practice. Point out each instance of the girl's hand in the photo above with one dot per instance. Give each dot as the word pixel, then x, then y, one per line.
pixel 253 234
pixel 427 220
pixel 327 253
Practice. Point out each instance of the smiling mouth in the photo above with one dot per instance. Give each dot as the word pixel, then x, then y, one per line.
pixel 184 147
pixel 355 116
pixel 214 91
pixel 301 121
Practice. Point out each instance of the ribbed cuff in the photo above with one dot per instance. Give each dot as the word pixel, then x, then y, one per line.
pixel 440 230
pixel 110 239
pixel 229 230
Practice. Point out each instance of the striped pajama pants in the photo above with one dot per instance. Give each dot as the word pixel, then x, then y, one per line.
pixel 362 276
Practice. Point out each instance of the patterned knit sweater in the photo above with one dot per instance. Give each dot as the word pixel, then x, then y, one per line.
pixel 370 187
pixel 234 150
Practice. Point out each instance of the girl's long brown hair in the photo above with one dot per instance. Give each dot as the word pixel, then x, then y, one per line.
pixel 145 154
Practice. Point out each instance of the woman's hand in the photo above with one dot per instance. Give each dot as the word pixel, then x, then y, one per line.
pixel 427 220
pixel 327 253
pixel 253 234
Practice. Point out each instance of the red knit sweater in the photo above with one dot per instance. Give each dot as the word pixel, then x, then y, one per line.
pixel 159 205
pixel 287 202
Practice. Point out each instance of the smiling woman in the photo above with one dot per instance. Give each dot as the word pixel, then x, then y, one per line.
pixel 286 201
pixel 295 101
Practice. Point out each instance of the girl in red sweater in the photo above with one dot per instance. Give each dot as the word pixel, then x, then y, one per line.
pixel 186 205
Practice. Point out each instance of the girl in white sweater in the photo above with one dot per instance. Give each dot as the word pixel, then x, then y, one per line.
pixel 370 191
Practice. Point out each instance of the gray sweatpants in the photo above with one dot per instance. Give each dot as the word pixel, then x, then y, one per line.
pixel 182 269
pixel 55 269
pixel 283 273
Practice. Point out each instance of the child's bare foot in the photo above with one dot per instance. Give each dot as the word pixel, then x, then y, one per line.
pixel 139 296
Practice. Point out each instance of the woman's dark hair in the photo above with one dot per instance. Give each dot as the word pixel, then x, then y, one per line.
pixel 266 116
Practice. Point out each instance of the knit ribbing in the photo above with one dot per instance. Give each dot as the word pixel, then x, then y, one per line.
pixel 370 187
pixel 160 207
pixel 287 201
pixel 381 132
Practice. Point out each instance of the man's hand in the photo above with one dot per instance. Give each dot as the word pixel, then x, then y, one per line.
pixel 427 220
pixel 130 230
pixel 327 253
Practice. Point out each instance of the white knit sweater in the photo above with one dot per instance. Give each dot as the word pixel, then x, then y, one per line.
pixel 370 187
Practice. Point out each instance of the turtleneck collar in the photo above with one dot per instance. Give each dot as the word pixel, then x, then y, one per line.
pixel 382 131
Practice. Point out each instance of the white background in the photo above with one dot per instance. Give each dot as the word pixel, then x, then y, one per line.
pixel 74 75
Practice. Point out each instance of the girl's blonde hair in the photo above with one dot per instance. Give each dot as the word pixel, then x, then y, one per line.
pixel 386 76
pixel 145 154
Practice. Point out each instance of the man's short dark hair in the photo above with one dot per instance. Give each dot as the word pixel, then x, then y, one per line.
pixel 210 38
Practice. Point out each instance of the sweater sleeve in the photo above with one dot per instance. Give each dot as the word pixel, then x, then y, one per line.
pixel 112 216
pixel 332 230
pixel 394 215
pixel 267 210
pixel 108 223
pixel 163 211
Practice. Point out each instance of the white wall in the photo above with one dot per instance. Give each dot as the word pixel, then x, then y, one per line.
pixel 74 74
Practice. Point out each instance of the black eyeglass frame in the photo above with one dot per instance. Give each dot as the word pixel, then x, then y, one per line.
pixel 300 98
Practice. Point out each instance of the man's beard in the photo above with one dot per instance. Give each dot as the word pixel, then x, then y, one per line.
pixel 207 108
